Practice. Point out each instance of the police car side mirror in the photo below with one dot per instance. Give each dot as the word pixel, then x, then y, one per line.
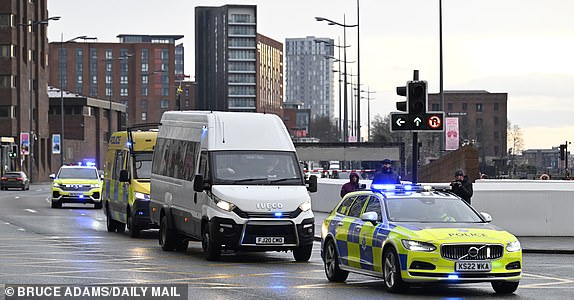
pixel 486 217
pixel 52 176
pixel 362 186
pixel 370 216
pixel 312 182
pixel 124 176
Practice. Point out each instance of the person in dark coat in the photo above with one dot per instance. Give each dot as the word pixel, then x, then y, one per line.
pixel 352 185
pixel 386 175
pixel 462 186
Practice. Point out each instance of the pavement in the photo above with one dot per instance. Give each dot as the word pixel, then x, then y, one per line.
pixel 530 244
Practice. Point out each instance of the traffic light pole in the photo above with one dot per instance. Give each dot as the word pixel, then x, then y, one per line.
pixel 415 141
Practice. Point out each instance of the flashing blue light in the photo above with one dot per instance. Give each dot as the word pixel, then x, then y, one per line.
pixel 384 187
pixel 81 196
pixel 140 213
pixel 452 276
pixel 90 164
pixel 128 144
pixel 408 187
pixel 278 214
pixel 203 132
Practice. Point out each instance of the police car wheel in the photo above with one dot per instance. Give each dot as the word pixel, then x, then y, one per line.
pixel 332 270
pixel 213 252
pixel 303 253
pixel 504 287
pixel 392 271
pixel 56 204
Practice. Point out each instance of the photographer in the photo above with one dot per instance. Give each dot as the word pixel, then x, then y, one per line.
pixel 461 186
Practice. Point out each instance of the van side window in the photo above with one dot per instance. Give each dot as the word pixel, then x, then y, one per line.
pixel 190 159
pixel 118 164
pixel 175 158
pixel 203 165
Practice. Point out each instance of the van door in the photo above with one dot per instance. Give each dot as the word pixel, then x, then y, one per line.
pixel 119 192
pixel 200 198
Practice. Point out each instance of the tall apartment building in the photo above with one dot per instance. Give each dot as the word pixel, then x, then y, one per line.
pixel 226 58
pixel 269 75
pixel 309 74
pixel 23 84
pixel 141 72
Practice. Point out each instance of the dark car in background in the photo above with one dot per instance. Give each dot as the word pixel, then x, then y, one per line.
pixel 17 180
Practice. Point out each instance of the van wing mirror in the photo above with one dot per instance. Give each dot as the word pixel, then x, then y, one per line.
pixel 199 185
pixel 312 182
pixel 52 176
pixel 124 176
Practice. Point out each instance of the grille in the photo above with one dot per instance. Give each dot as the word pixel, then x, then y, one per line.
pixel 76 188
pixel 471 251
pixel 270 229
pixel 293 214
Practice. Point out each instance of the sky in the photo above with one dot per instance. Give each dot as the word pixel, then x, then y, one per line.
pixel 521 47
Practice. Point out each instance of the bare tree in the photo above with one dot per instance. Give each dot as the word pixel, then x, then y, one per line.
pixel 514 138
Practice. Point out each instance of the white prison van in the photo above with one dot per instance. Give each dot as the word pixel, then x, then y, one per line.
pixel 232 181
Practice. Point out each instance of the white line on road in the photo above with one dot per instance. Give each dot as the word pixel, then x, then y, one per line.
pixel 31 210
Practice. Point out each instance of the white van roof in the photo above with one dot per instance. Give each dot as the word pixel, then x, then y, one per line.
pixel 228 130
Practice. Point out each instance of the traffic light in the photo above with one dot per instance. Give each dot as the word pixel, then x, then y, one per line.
pixel 417 97
pixel 402 91
pixel 562 152
pixel 13 151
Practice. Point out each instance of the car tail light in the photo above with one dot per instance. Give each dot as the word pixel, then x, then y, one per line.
pixel 20 179
pixel 4 178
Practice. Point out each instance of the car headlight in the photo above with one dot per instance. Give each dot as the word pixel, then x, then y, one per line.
pixel 305 206
pixel 227 206
pixel 513 246
pixel 97 185
pixel 141 196
pixel 56 184
pixel 418 246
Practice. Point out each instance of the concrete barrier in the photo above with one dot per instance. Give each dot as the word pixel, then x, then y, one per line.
pixel 523 207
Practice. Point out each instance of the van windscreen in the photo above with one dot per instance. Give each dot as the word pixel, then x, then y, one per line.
pixel 255 168
pixel 142 165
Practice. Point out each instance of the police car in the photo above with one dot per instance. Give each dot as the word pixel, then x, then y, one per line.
pixel 415 234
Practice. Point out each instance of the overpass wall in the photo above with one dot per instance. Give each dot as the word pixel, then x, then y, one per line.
pixel 523 207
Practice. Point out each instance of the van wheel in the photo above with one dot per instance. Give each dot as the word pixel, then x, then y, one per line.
pixel 167 238
pixel 212 251
pixel 332 270
pixel 134 229
pixel 181 245
pixel 303 253
pixel 504 287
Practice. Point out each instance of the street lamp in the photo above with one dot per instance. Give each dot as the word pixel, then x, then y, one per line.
pixel 82 37
pixel 31 133
pixel 344 25
pixel 369 92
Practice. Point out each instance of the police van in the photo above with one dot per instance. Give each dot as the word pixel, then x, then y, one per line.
pixel 127 179
pixel 232 181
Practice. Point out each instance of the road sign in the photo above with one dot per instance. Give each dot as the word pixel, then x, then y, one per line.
pixel 429 121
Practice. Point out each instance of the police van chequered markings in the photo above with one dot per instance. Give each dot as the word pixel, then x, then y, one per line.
pixel 421 235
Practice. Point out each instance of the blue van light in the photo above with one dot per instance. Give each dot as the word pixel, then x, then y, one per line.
pixel 278 214
pixel 81 196
pixel 128 144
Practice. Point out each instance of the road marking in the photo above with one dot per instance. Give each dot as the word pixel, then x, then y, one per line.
pixel 31 210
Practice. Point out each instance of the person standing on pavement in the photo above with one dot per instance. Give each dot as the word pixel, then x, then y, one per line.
pixel 386 175
pixel 462 186
pixel 352 185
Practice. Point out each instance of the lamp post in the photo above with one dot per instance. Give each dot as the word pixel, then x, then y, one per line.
pixel 340 74
pixel 369 92
pixel 31 133
pixel 60 55
pixel 344 25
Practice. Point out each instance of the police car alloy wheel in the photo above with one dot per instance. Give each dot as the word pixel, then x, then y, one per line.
pixel 392 271
pixel 332 270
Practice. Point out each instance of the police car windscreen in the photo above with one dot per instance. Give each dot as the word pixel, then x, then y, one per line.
pixel 78 173
pixel 430 210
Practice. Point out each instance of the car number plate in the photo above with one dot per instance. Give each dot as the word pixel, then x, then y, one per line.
pixel 75 194
pixel 269 240
pixel 472 266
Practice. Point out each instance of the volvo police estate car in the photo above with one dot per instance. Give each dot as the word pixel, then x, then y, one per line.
pixel 76 184
pixel 411 234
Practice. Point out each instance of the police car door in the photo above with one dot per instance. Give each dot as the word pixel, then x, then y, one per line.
pixel 371 236
pixel 354 233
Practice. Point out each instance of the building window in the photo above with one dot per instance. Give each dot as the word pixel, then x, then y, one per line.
pixel 478 123
pixel 495 121
pixel 145 91
pixel 6 112
pixel 5 20
pixel 434 107
pixel 6 51
pixel 6 81
pixel 496 107
pixel 124 92
pixel 449 107
pixel 143 104
pixel 465 106
pixel 479 107
pixel 144 116
pixel 164 103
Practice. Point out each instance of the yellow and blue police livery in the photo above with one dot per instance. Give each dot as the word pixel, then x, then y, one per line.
pixel 413 234
pixel 76 184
